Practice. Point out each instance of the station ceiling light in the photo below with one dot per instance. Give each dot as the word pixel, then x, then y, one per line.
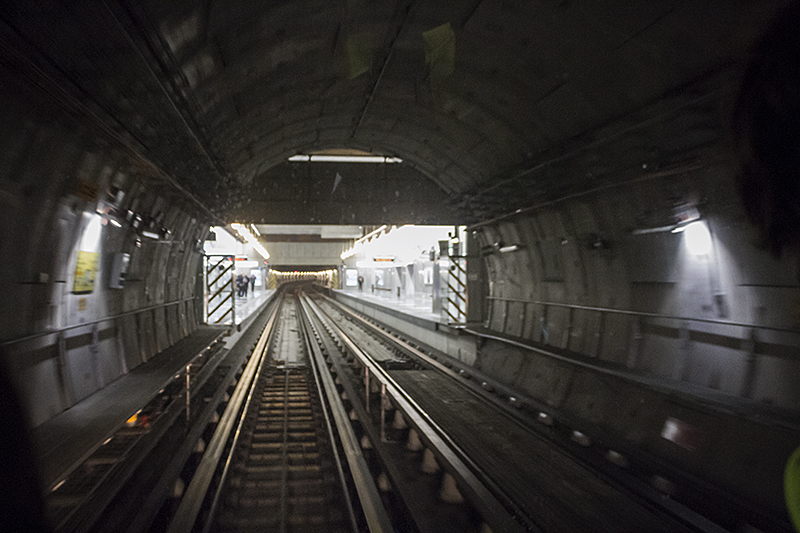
pixel 252 239
pixel 363 240
pixel 345 159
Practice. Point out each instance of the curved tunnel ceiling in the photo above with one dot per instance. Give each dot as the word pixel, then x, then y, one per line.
pixel 468 94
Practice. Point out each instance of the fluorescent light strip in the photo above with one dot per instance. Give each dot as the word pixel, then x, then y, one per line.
pixel 374 235
pixel 361 241
pixel 369 235
pixel 345 159
pixel 249 237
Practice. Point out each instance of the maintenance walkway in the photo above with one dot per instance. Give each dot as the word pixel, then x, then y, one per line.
pixel 66 439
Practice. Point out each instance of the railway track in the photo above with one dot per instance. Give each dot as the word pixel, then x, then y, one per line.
pixel 558 476
pixel 414 448
pixel 512 470
pixel 275 462
pixel 334 424
pixel 284 478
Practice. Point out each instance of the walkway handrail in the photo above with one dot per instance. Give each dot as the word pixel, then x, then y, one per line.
pixel 494 511
pixel 644 314
pixel 93 322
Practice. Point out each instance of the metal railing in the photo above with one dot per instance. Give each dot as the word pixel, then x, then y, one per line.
pixel 489 499
pixel 93 322
pixel 749 341
pixel 646 315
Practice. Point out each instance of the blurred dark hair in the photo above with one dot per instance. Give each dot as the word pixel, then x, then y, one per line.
pixel 766 124
pixel 22 505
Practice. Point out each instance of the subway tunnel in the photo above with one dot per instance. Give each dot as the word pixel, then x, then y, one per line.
pixel 581 146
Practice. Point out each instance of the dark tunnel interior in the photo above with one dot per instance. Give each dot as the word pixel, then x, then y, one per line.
pixel 625 175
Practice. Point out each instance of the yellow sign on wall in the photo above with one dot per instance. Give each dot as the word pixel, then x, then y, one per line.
pixel 85 269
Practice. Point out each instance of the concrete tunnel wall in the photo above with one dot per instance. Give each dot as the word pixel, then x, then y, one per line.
pixel 666 365
pixel 612 248
pixel 55 173
pixel 706 340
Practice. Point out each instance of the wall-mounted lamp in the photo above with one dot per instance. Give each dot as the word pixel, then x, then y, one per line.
pixel 509 248
pixel 697 236
pixel 90 239
pixel 110 214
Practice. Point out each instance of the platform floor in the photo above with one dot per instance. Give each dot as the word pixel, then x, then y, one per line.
pixel 64 440
pixel 246 306
pixel 403 305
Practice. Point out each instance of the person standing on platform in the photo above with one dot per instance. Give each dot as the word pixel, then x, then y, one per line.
pixel 360 283
pixel 253 283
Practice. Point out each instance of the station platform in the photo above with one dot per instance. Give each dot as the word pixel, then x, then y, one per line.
pixel 63 441
pixel 393 305
pixel 246 306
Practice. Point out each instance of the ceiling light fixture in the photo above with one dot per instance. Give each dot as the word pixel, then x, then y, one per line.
pixel 369 237
pixel 249 237
pixel 345 159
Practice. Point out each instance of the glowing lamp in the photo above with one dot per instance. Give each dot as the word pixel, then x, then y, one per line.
pixel 698 238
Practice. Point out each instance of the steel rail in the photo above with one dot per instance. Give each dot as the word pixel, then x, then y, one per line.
pixel 242 418
pixel 678 510
pixel 500 515
pixel 192 501
pixel 371 504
